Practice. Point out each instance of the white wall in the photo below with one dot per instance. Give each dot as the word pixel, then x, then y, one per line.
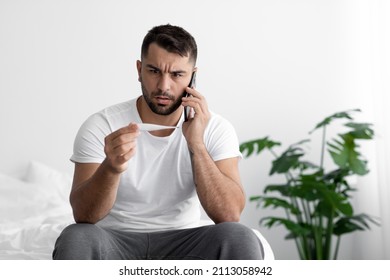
pixel 271 67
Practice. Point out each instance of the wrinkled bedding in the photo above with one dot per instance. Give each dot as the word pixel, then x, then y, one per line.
pixel 33 211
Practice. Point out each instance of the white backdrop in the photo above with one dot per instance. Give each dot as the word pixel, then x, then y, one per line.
pixel 271 67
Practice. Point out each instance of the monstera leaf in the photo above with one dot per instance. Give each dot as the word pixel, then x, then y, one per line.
pixel 258 145
pixel 344 149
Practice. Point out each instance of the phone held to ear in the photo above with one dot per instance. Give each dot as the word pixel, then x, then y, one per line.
pixel 187 110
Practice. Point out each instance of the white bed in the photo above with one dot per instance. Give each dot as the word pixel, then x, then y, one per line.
pixel 34 209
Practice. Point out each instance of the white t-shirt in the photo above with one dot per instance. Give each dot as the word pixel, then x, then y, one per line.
pixel 157 191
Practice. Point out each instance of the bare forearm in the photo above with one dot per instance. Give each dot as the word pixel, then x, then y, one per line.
pixel 93 199
pixel 221 196
pixel 95 185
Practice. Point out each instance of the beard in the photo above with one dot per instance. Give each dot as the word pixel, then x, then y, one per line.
pixel 161 109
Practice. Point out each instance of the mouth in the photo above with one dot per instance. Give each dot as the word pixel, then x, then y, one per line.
pixel 163 100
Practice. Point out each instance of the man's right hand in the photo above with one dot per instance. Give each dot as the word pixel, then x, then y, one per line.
pixel 120 147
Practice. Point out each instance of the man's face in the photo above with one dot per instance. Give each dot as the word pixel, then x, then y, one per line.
pixel 164 77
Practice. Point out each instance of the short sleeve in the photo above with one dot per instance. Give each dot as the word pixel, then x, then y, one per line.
pixel 89 142
pixel 221 139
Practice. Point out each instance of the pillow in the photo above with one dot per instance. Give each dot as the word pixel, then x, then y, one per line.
pixel 60 182
pixel 20 200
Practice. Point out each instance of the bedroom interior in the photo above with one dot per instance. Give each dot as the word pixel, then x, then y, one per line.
pixel 278 64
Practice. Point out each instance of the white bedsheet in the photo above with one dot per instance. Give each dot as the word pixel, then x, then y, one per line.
pixel 33 240
pixel 33 212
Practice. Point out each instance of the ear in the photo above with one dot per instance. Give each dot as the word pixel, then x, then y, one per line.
pixel 139 68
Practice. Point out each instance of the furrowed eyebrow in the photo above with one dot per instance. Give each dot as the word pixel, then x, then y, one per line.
pixel 178 72
pixel 153 67
pixel 158 69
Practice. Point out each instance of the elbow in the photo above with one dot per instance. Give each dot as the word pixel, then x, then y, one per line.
pixel 233 216
pixel 82 215
pixel 87 215
pixel 232 219
pixel 84 219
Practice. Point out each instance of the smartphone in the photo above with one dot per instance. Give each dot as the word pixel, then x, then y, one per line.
pixel 187 109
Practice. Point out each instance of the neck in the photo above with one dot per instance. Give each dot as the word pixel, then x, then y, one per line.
pixel 148 116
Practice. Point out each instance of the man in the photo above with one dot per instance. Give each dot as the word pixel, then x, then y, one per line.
pixel 135 194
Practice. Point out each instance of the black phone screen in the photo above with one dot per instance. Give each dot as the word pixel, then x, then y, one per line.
pixel 191 84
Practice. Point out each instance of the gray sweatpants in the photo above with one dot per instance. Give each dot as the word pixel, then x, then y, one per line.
pixel 224 241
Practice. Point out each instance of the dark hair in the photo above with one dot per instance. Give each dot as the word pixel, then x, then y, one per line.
pixel 171 38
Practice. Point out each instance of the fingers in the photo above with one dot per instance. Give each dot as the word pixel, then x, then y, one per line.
pixel 120 146
pixel 122 136
pixel 196 101
pixel 194 129
pixel 132 128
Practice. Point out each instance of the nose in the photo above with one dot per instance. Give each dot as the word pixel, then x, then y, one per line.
pixel 164 83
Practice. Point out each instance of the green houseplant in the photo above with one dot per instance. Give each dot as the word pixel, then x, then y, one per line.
pixel 316 203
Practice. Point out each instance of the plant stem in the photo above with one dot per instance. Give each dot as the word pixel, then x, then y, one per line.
pixel 336 250
pixel 328 237
pixel 320 235
pixel 305 219
pixel 302 243
pixel 323 147
pixel 316 245
pixel 312 224
pixel 297 243
pixel 319 241
pixel 273 153
pixel 317 236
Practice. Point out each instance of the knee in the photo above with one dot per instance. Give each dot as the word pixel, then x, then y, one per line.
pixel 76 238
pixel 239 238
pixel 235 231
pixel 79 232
